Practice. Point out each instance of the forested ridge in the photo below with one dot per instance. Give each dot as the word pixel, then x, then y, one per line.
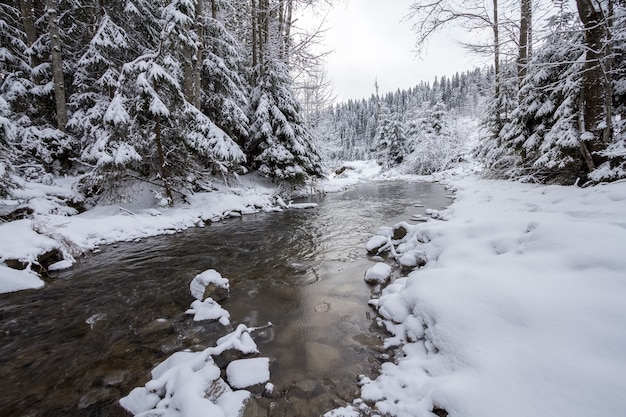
pixel 172 92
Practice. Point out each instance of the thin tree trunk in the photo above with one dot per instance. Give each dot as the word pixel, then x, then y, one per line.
pixel 200 54
pixel 287 38
pixel 255 42
pixel 281 28
pixel 496 56
pixel 57 66
pixel 161 156
pixel 524 35
pixel 608 76
pixel 27 8
pixel 189 77
pixel 593 83
pixel 584 151
pixel 262 33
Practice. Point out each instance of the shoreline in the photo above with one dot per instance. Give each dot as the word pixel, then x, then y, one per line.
pixel 55 234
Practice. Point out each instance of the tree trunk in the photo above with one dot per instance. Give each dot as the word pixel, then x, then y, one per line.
pixel 525 28
pixel 189 76
pixel 200 54
pixel 287 36
pixel 593 82
pixel 608 76
pixel 57 66
pixel 281 28
pixel 584 151
pixel 162 164
pixel 496 57
pixel 255 35
pixel 27 8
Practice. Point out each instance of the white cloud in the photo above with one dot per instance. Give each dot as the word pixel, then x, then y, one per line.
pixel 373 40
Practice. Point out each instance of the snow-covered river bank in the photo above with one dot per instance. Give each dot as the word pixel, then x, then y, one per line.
pixel 519 310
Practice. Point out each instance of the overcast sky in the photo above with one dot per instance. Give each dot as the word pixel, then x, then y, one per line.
pixel 372 40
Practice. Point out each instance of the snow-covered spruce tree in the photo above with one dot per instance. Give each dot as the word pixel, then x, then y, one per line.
pixel 391 147
pixel 14 82
pixel 615 154
pixel 224 92
pixel 154 132
pixel 540 141
pixel 28 89
pixel 95 82
pixel 7 133
pixel 432 144
pixel 280 145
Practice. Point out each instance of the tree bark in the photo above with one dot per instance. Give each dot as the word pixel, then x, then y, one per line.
pixel 27 8
pixel 496 57
pixel 200 54
pixel 287 35
pixel 57 65
pixel 525 37
pixel 255 41
pixel 608 76
pixel 584 151
pixel 593 81
pixel 162 163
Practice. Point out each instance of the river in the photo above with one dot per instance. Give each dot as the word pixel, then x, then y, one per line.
pixel 94 333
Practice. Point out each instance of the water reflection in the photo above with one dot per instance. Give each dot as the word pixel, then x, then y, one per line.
pixel 82 342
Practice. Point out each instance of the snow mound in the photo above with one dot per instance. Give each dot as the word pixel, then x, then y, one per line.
pixel 208 309
pixel 244 373
pixel 379 273
pixel 16 280
pixel 200 282
pixel 189 384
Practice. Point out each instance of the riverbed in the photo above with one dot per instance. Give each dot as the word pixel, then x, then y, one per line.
pixel 85 340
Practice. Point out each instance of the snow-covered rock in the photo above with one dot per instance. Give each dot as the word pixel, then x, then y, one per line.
pixel 208 309
pixel 413 258
pixel 209 283
pixel 379 273
pixel 244 373
pixel 376 243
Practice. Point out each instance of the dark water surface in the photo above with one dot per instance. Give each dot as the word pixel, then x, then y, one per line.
pixel 76 346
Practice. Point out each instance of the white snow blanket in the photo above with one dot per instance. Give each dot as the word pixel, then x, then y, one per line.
pixel 378 273
pixel 201 281
pixel 520 311
pixel 188 384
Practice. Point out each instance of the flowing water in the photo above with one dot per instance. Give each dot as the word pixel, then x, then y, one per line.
pixel 76 346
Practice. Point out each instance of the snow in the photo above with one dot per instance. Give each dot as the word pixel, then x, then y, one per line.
pixel 58 266
pixel 355 172
pixel 208 309
pixel 201 281
pixel 378 273
pixel 244 373
pixel 190 384
pixel 15 280
pixel 518 312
